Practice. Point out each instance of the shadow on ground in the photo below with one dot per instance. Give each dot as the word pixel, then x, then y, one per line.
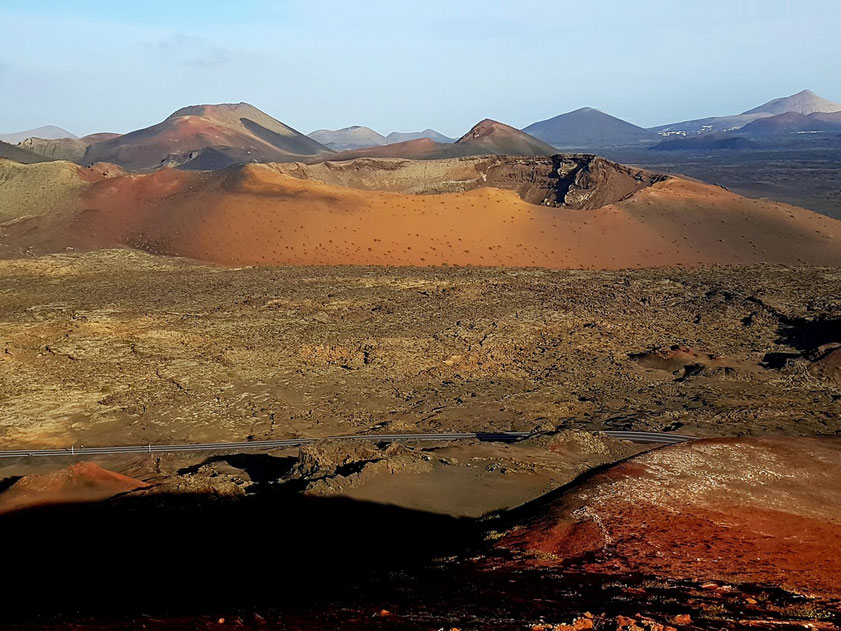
pixel 185 552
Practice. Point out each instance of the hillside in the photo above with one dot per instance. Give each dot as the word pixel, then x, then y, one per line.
pixel 559 212
pixel 19 154
pixel 588 127
pixel 207 136
pixel 805 102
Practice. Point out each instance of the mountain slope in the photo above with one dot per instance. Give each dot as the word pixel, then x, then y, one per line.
pixel 805 102
pixel 231 133
pixel 588 127
pixel 355 137
pixel 48 132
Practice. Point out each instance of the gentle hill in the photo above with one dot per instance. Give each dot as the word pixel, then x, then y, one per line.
pixel 19 154
pixel 431 134
pixel 234 133
pixel 805 102
pixel 487 137
pixel 715 142
pixel 554 212
pixel 588 127
pixel 355 137
pixel 793 123
pixel 49 132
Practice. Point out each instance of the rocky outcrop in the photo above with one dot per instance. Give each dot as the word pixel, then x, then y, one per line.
pixel 575 181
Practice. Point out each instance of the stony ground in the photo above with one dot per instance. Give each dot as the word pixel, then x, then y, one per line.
pixel 118 347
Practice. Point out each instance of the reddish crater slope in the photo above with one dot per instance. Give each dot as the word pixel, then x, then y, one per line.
pixel 760 511
pixel 80 482
pixel 582 212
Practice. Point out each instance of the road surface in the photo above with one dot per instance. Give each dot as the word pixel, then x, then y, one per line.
pixel 637 437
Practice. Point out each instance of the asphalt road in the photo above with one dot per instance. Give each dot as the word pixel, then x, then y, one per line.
pixel 637 437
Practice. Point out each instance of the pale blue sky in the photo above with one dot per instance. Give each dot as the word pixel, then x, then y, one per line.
pixel 405 64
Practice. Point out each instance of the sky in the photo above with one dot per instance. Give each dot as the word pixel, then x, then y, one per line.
pixel 406 65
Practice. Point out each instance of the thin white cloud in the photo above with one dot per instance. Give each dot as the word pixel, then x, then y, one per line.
pixel 197 52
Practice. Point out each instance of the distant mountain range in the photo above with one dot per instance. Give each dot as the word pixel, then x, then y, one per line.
pixel 488 137
pixel 431 134
pixel 359 137
pixel 805 102
pixel 204 137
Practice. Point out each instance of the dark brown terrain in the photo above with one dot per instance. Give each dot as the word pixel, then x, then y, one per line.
pixel 119 347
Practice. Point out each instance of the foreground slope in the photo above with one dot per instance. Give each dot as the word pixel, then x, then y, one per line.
pixel 476 211
pixel 758 511
pixel 403 136
pixel 207 137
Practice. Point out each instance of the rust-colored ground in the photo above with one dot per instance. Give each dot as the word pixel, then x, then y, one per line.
pixel 759 511
pixel 254 215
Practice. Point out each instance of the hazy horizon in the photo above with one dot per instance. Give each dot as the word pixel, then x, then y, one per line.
pixel 408 67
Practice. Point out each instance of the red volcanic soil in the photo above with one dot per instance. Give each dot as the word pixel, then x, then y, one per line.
pixel 81 482
pixel 760 511
pixel 254 215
